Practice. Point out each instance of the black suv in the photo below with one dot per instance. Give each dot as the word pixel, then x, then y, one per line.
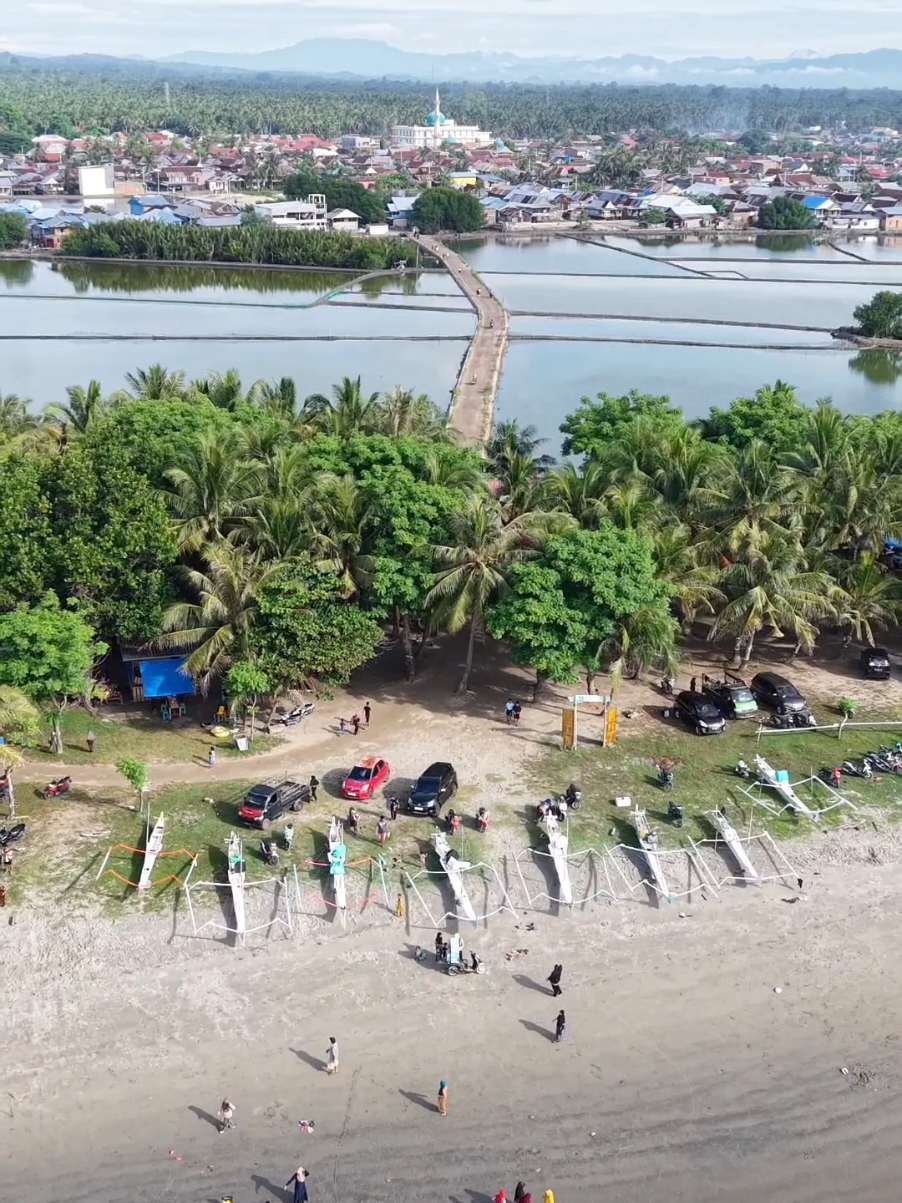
pixel 732 697
pixel 699 712
pixel 436 786
pixel 875 664
pixel 775 691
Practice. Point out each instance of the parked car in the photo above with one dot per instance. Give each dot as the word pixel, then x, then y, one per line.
pixel 779 694
pixel 265 803
pixel 732 697
pixel 699 712
pixel 365 778
pixel 433 788
pixel 875 663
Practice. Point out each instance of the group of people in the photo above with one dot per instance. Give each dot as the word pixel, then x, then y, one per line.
pixel 521 1195
pixel 512 711
pixel 354 722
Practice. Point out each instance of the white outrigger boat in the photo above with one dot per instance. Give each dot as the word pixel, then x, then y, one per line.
pixel 558 846
pixel 648 842
pixel 768 776
pixel 454 868
pixel 731 838
pixel 152 848
pixel 237 877
pixel 338 853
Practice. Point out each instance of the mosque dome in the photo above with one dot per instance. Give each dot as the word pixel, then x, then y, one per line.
pixel 436 117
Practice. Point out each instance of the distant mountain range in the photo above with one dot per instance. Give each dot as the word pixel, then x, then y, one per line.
pixel 362 59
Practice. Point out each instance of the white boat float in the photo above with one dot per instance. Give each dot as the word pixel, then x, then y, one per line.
pixel 455 869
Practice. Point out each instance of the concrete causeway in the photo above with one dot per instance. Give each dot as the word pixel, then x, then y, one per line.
pixel 473 401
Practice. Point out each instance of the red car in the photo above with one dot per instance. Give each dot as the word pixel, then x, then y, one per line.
pixel 365 778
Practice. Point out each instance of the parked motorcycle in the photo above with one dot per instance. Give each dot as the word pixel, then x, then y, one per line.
pixel 675 814
pixel 741 769
pixel 858 768
pixel 60 785
pixel 665 778
pixel 293 717
pixel 288 836
pixel 9 835
pixel 270 852
pixel 832 776
pixel 573 796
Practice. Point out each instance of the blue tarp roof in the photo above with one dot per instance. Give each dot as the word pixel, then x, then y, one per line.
pixel 165 678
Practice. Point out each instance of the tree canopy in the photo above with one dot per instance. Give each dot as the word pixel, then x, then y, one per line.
pixel 784 213
pixel 881 316
pixel 447 209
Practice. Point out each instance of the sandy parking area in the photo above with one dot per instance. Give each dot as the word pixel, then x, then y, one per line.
pixel 683 1075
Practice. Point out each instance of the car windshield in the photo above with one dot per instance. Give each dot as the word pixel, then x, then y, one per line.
pixel 361 772
pixel 741 694
pixel 707 710
pixel 256 801
pixel 787 691
pixel 429 783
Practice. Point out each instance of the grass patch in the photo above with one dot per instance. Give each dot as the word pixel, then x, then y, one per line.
pixel 704 779
pixel 66 841
pixel 142 734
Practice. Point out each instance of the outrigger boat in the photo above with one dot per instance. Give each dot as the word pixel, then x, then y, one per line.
pixel 152 849
pixel 648 842
pixel 237 876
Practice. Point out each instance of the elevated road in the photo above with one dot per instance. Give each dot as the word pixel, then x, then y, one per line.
pixel 473 402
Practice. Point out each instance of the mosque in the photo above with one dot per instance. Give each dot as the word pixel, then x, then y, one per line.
pixel 438 131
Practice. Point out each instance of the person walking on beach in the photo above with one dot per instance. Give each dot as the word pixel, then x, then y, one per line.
pixel 692 685
pixel 226 1116
pixel 341 725
pixel 393 807
pixel 332 1056
pixel 554 979
pixel 91 741
pixel 299 1181
pixel 443 1098
pixel 383 829
pixel 211 757
pixel 559 1025
pixel 509 711
pixel 314 786
pixel 355 723
pixel 367 711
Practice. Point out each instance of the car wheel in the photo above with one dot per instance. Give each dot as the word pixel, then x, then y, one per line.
pixel 698 730
pixel 266 825
pixel 433 812
pixel 296 805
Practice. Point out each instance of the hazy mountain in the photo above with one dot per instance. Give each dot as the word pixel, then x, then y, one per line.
pixel 356 57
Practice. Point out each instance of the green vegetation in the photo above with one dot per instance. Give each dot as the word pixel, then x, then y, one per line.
pixel 13 229
pixel 447 209
pixel 339 191
pixel 264 243
pixel 881 317
pixel 785 214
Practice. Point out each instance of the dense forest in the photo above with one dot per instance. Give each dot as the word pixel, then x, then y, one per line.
pixel 38 97
pixel 276 540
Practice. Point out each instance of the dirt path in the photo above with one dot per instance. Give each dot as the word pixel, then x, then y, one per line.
pixel 473 403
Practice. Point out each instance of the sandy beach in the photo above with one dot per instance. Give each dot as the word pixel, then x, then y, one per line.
pixel 683 1075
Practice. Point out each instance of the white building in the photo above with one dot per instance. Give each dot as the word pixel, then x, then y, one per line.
pixel 309 214
pixel 96 185
pixel 437 131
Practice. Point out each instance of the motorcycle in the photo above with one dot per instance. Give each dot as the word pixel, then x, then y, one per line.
pixel 270 852
pixel 880 762
pixel 675 814
pixel 665 778
pixel 573 796
pixel 59 786
pixel 858 768
pixel 832 776
pixel 741 769
pixel 288 836
pixel 668 685
pixel 482 820
pixel 8 835
pixel 293 717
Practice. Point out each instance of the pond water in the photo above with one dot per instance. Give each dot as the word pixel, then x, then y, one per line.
pixel 199 313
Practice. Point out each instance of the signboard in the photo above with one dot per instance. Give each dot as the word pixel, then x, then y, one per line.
pixel 586 698
pixel 568 728
pixel 610 726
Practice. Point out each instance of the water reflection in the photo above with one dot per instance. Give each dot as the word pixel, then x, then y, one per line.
pixel 880 365
pixel 154 277
pixel 15 272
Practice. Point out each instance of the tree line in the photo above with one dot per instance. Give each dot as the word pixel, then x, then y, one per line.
pixel 105 96
pixel 276 541
pixel 256 242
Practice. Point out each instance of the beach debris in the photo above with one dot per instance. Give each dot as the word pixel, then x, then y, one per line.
pixel 778 989
pixel 306 1125
pixel 844 1071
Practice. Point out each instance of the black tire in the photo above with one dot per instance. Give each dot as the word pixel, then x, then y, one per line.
pixel 296 805
pixel 575 805
pixel 453 970
pixel 265 824
pixel 698 730
pixel 480 968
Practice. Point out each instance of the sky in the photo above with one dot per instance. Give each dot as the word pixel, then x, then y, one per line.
pixel 575 28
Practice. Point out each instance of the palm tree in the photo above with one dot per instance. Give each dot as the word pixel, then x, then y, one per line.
pixel 774 586
pixel 402 411
pixel 209 491
pixel 873 596
pixel 750 501
pixel 15 418
pixel 646 638
pixel 693 584
pixel 520 488
pixel 338 520
pixel 156 384
pixel 217 625
pixel 579 492
pixel 472 569
pixel 509 438
pixel 85 408
pixel 345 411
pixel 225 390
pixel 278 397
